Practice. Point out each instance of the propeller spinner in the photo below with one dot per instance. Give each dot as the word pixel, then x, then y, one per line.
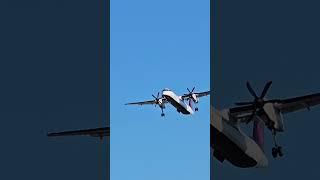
pixel 258 101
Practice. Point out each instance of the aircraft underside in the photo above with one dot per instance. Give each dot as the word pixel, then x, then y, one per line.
pixel 224 148
pixel 177 105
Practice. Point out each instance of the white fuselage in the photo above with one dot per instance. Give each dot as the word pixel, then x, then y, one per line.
pixel 230 143
pixel 177 102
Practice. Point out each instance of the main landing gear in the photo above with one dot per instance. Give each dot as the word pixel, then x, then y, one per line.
pixel 162 114
pixel 196 109
pixel 277 150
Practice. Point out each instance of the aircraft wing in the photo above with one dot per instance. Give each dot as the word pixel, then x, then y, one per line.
pixel 298 103
pixel 147 102
pixel 97 132
pixel 200 94
pixel 241 113
pixel 284 105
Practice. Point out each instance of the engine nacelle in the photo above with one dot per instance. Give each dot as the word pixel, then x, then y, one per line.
pixel 195 98
pixel 275 116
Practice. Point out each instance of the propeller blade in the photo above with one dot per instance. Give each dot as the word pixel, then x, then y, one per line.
pixel 251 91
pixel 189 90
pixel 243 103
pixel 158 96
pixel 154 97
pixel 193 89
pixel 265 89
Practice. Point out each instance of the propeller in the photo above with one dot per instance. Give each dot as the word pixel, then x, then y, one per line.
pixel 258 101
pixel 157 99
pixel 190 94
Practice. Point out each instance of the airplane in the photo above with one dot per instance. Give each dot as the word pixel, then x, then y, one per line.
pixel 229 142
pixel 96 132
pixel 178 102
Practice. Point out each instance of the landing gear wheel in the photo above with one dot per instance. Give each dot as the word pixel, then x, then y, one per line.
pixel 162 114
pixel 277 151
pixel 196 109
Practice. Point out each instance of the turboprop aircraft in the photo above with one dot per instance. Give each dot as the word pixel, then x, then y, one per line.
pixel 229 143
pixel 179 102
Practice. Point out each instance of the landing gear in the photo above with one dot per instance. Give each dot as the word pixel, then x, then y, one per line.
pixel 162 114
pixel 196 109
pixel 277 150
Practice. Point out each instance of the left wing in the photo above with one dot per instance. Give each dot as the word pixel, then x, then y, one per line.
pixel 97 132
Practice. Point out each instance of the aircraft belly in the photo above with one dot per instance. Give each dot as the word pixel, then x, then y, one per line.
pixel 177 102
pixel 235 146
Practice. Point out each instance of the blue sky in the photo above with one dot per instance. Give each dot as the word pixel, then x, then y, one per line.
pixel 158 44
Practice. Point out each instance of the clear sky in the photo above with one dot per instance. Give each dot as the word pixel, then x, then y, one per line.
pixel 158 44
pixel 278 41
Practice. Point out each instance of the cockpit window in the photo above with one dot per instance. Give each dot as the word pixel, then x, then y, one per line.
pixel 166 89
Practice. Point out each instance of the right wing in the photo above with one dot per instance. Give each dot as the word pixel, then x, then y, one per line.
pixel 298 103
pixel 147 102
pixel 201 94
pixel 97 132
pixel 198 94
pixel 283 105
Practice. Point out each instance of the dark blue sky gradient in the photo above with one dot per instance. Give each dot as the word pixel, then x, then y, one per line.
pixel 49 75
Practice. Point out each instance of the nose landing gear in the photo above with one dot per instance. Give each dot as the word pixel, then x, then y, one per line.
pixel 277 150
pixel 196 109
